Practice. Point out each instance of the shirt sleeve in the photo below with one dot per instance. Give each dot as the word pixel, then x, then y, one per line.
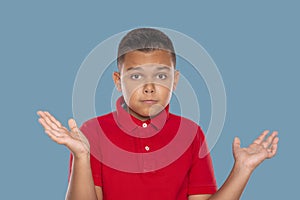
pixel 201 176
pixel 96 166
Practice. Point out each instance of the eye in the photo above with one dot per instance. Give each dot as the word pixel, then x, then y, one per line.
pixel 135 76
pixel 162 76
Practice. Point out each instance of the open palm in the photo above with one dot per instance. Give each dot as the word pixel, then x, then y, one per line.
pixel 262 148
pixel 73 138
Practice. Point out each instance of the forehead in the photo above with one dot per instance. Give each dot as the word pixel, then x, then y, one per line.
pixel 151 58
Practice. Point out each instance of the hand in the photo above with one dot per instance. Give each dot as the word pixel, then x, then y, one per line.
pixel 73 139
pixel 256 152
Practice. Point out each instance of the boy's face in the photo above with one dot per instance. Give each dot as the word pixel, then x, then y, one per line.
pixel 146 80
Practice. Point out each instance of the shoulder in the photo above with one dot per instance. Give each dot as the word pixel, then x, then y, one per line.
pixel 176 119
pixel 187 125
pixel 95 121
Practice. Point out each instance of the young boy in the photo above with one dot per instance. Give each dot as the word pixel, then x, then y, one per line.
pixel 140 127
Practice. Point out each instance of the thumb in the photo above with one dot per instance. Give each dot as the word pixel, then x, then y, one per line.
pixel 72 125
pixel 236 144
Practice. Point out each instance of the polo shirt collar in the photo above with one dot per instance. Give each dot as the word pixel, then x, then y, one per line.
pixel 130 123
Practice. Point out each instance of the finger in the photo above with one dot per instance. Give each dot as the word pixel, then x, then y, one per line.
pixel 73 126
pixel 55 136
pixel 83 138
pixel 39 112
pixel 236 144
pixel 274 146
pixel 273 149
pixel 48 121
pixel 52 118
pixel 44 124
pixel 261 138
pixel 269 140
pixel 55 133
pixel 43 116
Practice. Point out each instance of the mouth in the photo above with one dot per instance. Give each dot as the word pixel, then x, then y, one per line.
pixel 149 101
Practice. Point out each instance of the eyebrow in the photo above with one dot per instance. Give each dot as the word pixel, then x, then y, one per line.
pixel 141 69
pixel 135 68
pixel 163 68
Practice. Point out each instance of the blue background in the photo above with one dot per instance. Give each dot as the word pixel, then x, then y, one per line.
pixel 43 43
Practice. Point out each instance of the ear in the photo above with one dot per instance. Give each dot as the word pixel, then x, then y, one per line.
pixel 117 80
pixel 176 79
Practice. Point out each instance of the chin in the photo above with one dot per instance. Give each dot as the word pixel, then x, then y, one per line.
pixel 153 114
pixel 147 113
pixel 144 114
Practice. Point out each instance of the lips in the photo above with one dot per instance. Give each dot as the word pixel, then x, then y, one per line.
pixel 149 101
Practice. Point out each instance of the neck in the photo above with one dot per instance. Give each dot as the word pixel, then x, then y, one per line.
pixel 136 115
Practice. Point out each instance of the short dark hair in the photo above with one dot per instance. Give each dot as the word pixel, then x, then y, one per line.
pixel 146 40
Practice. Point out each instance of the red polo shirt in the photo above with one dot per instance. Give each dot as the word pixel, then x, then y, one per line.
pixel 155 159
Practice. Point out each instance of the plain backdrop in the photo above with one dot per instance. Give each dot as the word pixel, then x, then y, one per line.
pixel 255 45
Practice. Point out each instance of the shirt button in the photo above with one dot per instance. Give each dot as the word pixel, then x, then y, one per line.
pixel 147 148
pixel 145 125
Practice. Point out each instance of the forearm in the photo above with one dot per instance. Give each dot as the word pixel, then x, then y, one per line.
pixel 81 185
pixel 234 185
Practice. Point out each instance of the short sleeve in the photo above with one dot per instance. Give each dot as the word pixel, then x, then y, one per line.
pixel 201 176
pixel 96 166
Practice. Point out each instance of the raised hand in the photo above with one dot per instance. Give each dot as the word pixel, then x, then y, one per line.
pixel 262 148
pixel 73 138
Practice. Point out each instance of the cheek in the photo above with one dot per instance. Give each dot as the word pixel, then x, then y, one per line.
pixel 167 86
pixel 164 89
pixel 165 93
pixel 130 91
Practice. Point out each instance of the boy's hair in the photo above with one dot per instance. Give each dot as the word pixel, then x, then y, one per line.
pixel 146 40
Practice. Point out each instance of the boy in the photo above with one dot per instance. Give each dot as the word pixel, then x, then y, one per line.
pixel 143 126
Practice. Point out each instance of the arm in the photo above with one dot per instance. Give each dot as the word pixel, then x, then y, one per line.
pixel 231 189
pixel 246 160
pixel 81 184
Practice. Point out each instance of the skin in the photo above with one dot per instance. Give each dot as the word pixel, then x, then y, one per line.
pixel 146 81
pixel 146 90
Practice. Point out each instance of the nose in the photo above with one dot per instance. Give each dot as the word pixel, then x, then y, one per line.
pixel 149 88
